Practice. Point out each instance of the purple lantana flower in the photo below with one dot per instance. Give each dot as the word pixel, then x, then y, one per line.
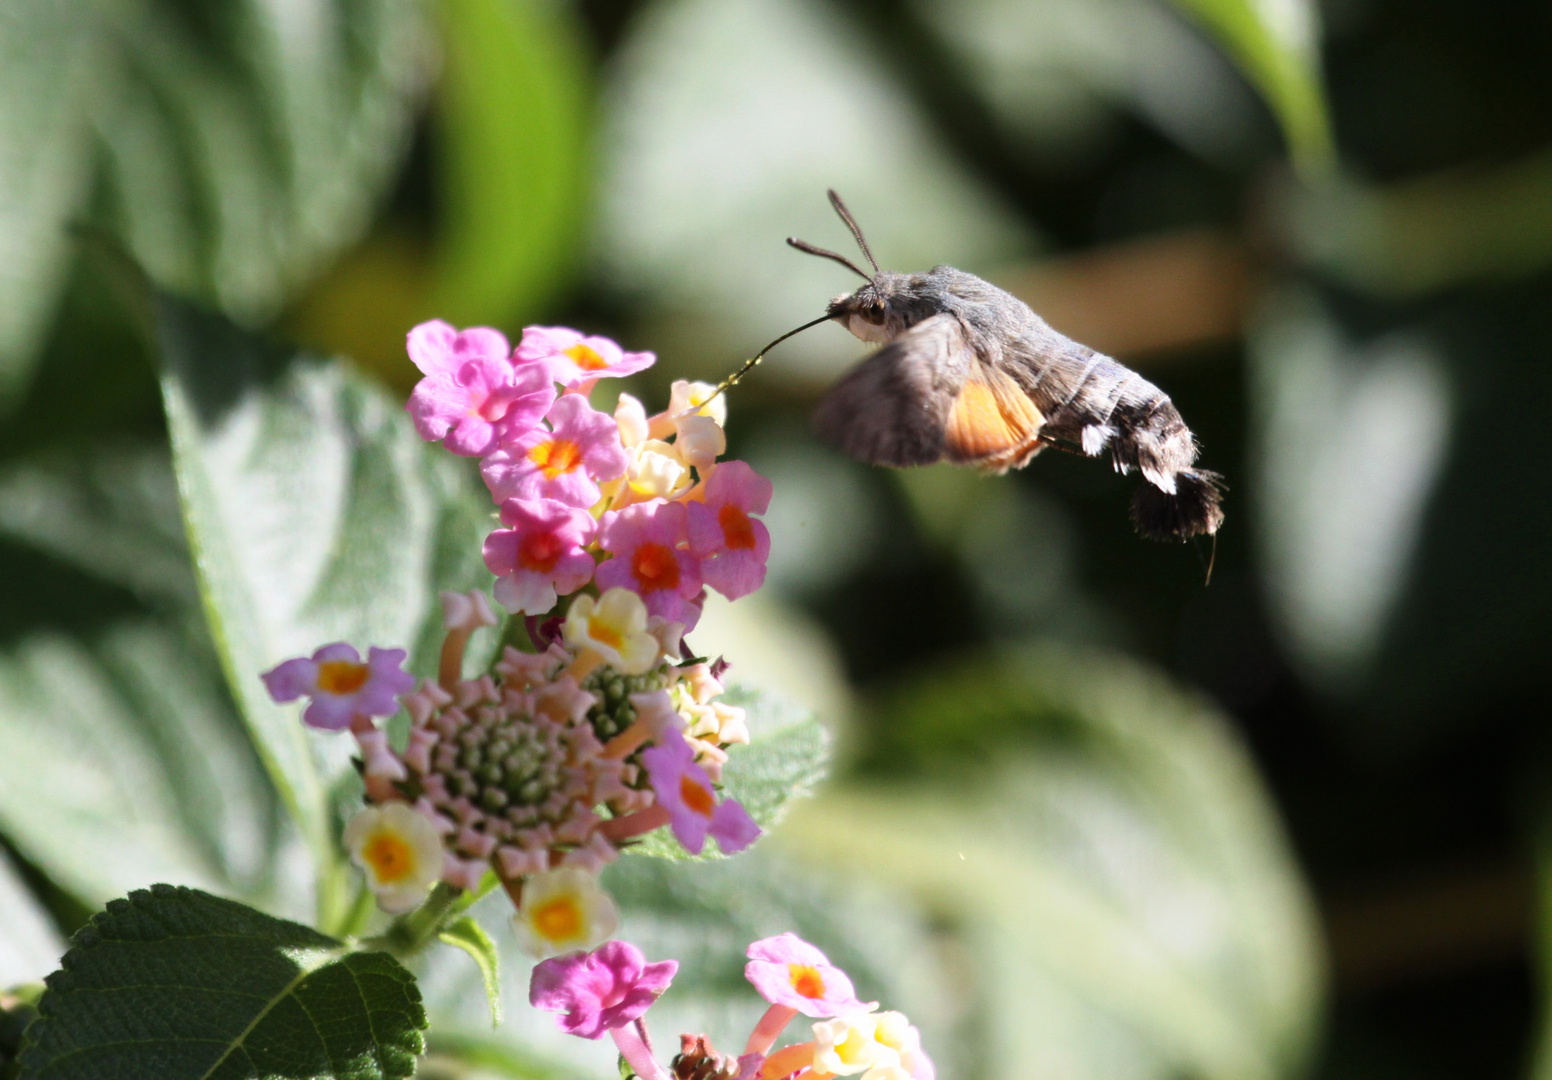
pixel 542 556
pixel 340 685
pixel 473 397
pixel 598 991
pixel 788 971
pixel 693 810
pixel 644 540
pixel 576 361
pixel 581 449
pixel 732 546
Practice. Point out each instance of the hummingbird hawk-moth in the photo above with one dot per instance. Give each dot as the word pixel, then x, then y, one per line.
pixel 969 374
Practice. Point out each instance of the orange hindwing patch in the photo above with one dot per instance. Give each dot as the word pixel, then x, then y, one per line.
pixel 992 423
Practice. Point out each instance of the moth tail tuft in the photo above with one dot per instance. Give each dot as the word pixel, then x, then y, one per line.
pixel 1194 509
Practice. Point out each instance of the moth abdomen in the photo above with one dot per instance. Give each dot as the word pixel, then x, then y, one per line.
pixel 1108 406
pixel 1195 507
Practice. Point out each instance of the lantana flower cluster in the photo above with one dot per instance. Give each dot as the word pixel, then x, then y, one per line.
pixel 610 990
pixel 541 770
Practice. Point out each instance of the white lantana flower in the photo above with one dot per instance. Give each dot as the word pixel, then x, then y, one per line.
pixel 401 852
pixel 563 911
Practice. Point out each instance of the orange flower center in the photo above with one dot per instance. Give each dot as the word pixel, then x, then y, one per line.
pixel 341 676
pixel 389 857
pixel 586 358
pixel 655 567
pixel 697 796
pixel 558 919
pixel 600 631
pixel 538 551
pixel 737 531
pixel 806 980
pixel 556 456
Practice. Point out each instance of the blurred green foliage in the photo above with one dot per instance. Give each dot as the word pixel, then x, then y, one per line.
pixel 1058 860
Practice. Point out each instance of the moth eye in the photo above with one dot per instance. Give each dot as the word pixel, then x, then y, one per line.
pixel 873 312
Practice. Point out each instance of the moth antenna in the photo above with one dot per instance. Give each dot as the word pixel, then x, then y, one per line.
pixel 856 230
pixel 1212 560
pixel 826 253
pixel 748 365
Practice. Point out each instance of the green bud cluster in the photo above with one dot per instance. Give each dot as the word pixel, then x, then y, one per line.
pixel 614 712
pixel 503 764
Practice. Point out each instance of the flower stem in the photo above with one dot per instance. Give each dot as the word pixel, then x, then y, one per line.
pixel 626 742
pixel 787 1060
pixel 771 1025
pixel 359 912
pixel 642 821
pixel 411 933
pixel 450 667
pixel 636 1054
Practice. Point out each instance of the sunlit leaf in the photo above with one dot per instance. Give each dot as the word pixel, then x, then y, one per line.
pixel 125 759
pixel 30 946
pixel 1275 44
pixel 315 514
pixel 238 145
pixel 123 764
pixel 172 983
pixel 1112 865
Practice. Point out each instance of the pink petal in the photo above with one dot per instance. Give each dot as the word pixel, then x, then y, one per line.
pixel 732 827
pixel 291 679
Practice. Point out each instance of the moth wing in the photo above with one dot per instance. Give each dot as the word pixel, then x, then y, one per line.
pixel 893 407
pixel 992 423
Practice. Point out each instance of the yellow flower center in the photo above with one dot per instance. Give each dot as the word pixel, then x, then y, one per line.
pixel 605 634
pixel 854 1050
pixel 806 980
pixel 341 676
pixel 389 856
pixel 558 920
pixel 586 358
pixel 556 456
pixel 696 797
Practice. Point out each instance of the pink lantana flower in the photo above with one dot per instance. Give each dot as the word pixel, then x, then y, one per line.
pixel 788 971
pixel 644 540
pixel 566 463
pixel 732 545
pixel 473 397
pixel 576 361
pixel 694 812
pixel 541 556
pixel 340 685
pixel 598 991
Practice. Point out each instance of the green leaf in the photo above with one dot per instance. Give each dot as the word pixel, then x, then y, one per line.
pixel 124 762
pixel 234 148
pixel 1111 861
pixel 1274 42
pixel 785 760
pixel 315 514
pixel 173 983
pixel 125 759
pixel 471 937
pixel 511 137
